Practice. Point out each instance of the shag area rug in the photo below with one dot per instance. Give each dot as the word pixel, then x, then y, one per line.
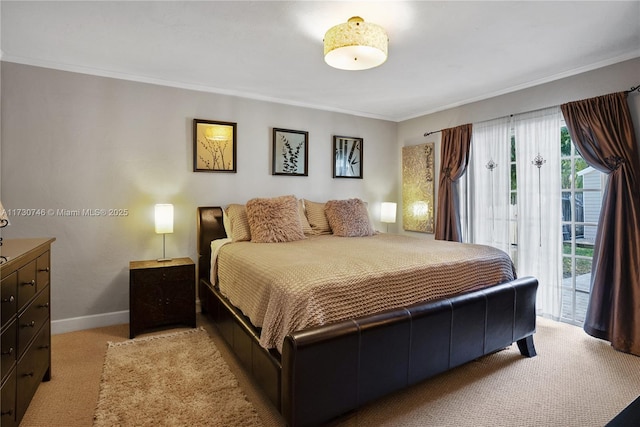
pixel 176 379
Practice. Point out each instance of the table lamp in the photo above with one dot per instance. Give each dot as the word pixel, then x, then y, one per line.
pixel 164 224
pixel 388 213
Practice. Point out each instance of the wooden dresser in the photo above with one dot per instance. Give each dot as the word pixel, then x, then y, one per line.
pixel 25 349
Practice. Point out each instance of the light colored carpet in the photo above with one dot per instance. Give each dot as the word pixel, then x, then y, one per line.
pixel 175 379
pixel 575 381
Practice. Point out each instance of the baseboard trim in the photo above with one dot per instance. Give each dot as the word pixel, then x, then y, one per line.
pixel 94 321
pixel 89 322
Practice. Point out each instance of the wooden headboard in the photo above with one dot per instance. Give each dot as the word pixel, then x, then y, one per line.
pixel 210 227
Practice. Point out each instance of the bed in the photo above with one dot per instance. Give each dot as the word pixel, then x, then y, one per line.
pixel 318 370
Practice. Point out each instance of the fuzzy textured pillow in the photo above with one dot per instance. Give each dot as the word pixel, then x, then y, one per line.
pixel 348 218
pixel 274 220
pixel 239 223
pixel 317 217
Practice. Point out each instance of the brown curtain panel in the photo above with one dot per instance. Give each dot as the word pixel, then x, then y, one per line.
pixel 602 130
pixel 454 158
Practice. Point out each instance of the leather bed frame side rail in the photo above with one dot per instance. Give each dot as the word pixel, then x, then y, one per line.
pixel 330 370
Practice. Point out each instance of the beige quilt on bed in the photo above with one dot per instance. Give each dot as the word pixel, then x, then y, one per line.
pixel 284 287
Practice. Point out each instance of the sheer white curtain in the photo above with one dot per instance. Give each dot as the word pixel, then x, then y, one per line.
pixel 537 136
pixel 487 185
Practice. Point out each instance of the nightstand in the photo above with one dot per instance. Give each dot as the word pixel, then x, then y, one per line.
pixel 161 293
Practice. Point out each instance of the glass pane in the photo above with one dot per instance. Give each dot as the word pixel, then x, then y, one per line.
pixel 589 236
pixel 581 170
pixel 566 269
pixel 592 204
pixel 567 304
pixel 566 173
pixel 566 206
pixel 592 178
pixel 514 177
pixel 582 302
pixel 578 207
pixel 583 274
pixel 513 148
pixel 565 142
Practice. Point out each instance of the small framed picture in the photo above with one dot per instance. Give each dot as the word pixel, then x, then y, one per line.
pixel 290 153
pixel 347 157
pixel 214 146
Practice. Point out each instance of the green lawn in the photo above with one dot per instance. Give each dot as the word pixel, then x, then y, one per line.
pixel 583 266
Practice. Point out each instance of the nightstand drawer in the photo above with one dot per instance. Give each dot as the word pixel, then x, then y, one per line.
pixel 9 297
pixel 30 322
pixel 160 275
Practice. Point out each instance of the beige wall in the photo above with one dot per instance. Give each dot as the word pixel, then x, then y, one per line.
pixel 74 141
pixel 614 78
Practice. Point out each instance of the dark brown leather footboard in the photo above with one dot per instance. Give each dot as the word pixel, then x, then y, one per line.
pixel 329 370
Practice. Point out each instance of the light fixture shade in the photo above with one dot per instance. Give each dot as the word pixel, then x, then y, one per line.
pixel 355 45
pixel 164 218
pixel 388 212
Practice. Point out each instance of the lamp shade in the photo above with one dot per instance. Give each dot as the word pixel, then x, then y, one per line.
pixel 4 218
pixel 388 212
pixel 355 45
pixel 164 218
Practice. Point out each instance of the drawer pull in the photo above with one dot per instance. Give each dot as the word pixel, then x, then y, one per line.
pixel 9 412
pixel 29 325
pixel 10 299
pixel 31 283
pixel 8 351
pixel 45 305
pixel 28 374
pixel 44 346
pixel 44 270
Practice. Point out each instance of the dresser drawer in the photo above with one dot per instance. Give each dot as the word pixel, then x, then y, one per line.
pixel 31 369
pixel 43 271
pixel 26 284
pixel 9 297
pixel 8 348
pixel 8 401
pixel 32 319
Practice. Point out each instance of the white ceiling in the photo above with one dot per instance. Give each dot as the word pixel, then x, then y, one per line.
pixel 441 54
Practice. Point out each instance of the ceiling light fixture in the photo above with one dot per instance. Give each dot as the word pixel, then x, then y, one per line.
pixel 355 45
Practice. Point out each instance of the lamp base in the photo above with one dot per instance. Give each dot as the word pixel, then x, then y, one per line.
pixel 164 259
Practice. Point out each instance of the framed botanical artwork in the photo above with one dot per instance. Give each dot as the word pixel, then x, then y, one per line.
pixel 290 154
pixel 347 157
pixel 214 146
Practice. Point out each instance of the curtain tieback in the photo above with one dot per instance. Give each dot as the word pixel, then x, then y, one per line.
pixel 614 162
